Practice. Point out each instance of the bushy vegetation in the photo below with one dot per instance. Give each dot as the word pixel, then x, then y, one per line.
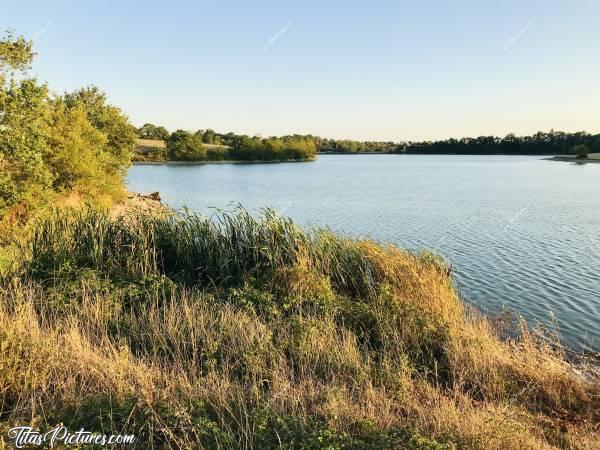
pixel 551 143
pixel 185 146
pixel 581 151
pixel 325 145
pixel 236 332
pixel 294 147
pixel 51 145
pixel 150 131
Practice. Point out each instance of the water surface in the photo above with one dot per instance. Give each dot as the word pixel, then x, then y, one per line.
pixel 521 232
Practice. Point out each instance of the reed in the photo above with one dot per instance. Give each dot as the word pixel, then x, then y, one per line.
pixel 239 332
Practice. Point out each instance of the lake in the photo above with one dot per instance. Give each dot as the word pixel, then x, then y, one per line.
pixel 522 233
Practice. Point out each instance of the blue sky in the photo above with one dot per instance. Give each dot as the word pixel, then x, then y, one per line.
pixel 381 70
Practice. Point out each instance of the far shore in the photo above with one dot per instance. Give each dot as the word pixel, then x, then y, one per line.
pixel 196 163
pixel 590 159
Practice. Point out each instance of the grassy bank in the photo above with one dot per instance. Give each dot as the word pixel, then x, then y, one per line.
pixel 252 333
pixel 226 161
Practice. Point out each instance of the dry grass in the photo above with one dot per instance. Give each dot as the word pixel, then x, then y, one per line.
pixel 151 143
pixel 238 333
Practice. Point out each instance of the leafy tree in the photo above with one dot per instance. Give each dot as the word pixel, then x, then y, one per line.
pixel 209 137
pixel 16 54
pixel 294 147
pixel 77 158
pixel 161 133
pixel 150 131
pixel 121 135
pixel 596 145
pixel 580 150
pixel 185 146
pixel 52 144
pixel 23 109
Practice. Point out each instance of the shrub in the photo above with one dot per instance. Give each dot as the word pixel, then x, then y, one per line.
pixel 184 146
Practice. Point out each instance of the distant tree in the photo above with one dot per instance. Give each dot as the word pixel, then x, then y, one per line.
pixel 24 108
pixel 580 150
pixel 596 145
pixel 162 133
pixel 297 147
pixel 208 137
pixel 147 131
pixel 185 146
pixel 108 119
pixel 150 131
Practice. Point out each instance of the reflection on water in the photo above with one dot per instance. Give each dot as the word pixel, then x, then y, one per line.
pixel 522 233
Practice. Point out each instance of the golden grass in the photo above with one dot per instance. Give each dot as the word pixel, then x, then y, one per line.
pixel 332 343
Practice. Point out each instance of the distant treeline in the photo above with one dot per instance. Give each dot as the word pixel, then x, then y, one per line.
pixel 551 143
pixel 211 146
pixel 325 145
pixel 541 143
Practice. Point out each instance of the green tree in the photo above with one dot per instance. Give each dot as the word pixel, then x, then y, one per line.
pixel 580 150
pixel 209 136
pixel 54 144
pixel 110 120
pixel 77 157
pixel 150 131
pixel 184 146
pixel 596 145
pixel 23 110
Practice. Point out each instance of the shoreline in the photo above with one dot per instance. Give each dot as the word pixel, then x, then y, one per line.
pixel 152 203
pixel 573 160
pixel 195 163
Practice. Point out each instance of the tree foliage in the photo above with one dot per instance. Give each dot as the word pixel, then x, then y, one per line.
pixel 51 144
pixel 581 150
pixel 244 148
pixel 151 131
pixel 185 146
pixel 211 146
pixel 110 120
pixel 541 143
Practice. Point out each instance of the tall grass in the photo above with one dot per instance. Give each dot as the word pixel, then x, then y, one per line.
pixel 237 332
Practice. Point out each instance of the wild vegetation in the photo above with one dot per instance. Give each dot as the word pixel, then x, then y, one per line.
pixel 182 145
pixel 54 145
pixel 233 331
pixel 294 147
pixel 236 332
pixel 551 143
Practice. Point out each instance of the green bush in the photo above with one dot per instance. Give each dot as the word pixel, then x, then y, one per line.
pixel 51 144
pixel 581 151
pixel 184 146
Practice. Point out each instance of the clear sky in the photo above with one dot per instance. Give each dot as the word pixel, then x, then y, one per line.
pixel 380 70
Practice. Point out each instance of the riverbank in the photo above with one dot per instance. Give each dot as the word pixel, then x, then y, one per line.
pixel 192 332
pixel 592 158
pixel 197 163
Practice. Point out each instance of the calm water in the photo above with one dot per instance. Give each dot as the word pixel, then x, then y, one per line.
pixel 523 233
